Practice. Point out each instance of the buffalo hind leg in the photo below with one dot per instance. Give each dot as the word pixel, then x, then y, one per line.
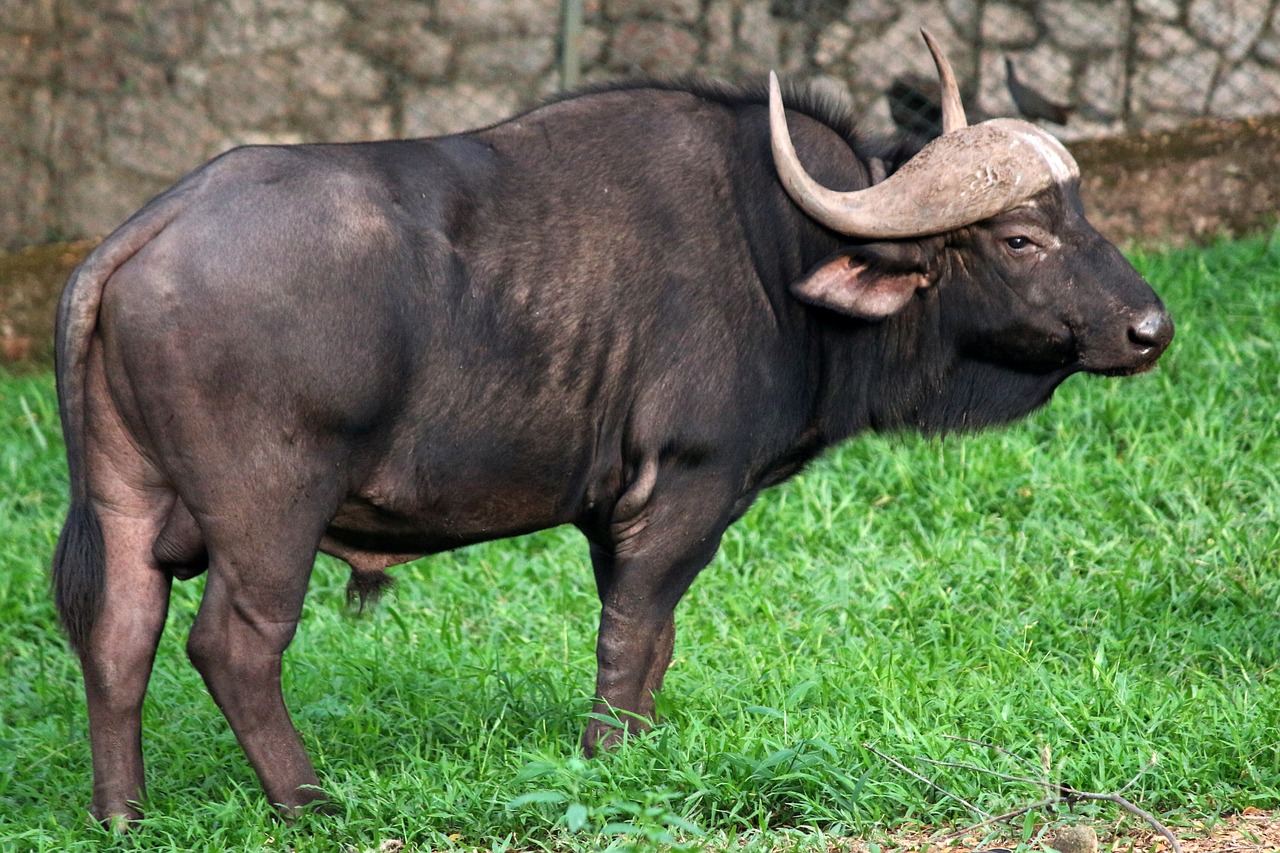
pixel 247 618
pixel 113 597
pixel 117 663
pixel 640 578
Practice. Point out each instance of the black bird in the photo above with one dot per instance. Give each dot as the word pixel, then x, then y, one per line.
pixel 1031 103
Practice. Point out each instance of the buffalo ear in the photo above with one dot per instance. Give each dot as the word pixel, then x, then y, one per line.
pixel 859 288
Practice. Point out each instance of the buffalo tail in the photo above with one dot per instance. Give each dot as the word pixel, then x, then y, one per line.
pixel 79 573
pixel 79 561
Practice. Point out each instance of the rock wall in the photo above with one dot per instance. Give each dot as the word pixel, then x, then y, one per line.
pixel 105 102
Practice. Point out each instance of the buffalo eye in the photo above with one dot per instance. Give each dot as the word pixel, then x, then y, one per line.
pixel 1019 244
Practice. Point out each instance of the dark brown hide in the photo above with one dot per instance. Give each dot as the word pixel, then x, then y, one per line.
pixel 581 316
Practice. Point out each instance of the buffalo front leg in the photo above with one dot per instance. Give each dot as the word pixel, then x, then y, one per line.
pixel 640 579
pixel 247 618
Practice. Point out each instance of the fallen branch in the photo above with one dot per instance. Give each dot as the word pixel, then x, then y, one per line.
pixel 985 745
pixel 896 763
pixel 1064 794
pixel 1074 796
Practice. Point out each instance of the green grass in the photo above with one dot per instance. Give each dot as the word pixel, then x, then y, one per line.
pixel 1103 578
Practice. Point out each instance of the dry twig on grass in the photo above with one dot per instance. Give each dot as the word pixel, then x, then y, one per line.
pixel 1063 794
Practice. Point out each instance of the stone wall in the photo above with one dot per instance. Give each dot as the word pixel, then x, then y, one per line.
pixel 105 102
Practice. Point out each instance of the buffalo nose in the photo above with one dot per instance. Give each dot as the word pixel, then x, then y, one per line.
pixel 1152 330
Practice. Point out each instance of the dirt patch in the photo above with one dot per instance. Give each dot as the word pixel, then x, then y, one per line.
pixel 1253 831
pixel 1203 180
pixel 30 283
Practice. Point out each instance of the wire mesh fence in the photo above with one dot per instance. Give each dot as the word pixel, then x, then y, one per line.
pixel 99 95
pixel 1141 64
pixel 1081 67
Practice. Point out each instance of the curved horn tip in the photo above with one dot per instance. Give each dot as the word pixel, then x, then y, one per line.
pixel 953 117
pixel 934 48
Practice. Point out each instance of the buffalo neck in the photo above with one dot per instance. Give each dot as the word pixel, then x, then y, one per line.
pixel 907 373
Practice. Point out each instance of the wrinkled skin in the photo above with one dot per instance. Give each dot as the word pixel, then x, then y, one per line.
pixel 605 313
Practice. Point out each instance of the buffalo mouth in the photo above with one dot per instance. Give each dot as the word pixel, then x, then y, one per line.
pixel 1125 369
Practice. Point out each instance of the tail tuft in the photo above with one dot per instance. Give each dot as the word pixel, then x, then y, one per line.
pixel 79 574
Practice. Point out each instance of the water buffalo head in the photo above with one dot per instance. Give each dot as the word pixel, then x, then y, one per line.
pixel 992 213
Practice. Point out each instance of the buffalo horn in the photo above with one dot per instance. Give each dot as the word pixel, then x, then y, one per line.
pixel 969 173
pixel 953 117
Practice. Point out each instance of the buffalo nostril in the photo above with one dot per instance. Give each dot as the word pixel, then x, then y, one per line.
pixel 1153 330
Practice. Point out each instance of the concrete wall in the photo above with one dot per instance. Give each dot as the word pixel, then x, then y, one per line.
pixel 105 102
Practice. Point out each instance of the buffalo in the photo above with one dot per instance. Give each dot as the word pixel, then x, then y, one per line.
pixel 629 310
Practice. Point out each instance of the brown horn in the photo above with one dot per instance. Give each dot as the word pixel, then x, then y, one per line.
pixel 953 117
pixel 957 179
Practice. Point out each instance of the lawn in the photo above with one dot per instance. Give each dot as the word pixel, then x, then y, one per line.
pixel 1101 580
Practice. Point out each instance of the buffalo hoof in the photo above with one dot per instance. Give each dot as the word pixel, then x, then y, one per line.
pixel 309 801
pixel 116 818
pixel 601 736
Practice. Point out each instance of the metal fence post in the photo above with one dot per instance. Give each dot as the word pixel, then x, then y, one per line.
pixel 570 43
